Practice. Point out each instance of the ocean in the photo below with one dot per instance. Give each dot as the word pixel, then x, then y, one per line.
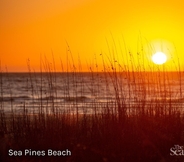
pixel 88 92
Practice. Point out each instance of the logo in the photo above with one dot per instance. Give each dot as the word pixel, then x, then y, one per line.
pixel 177 150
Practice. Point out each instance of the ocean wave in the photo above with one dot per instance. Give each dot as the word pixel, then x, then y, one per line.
pixel 66 99
pixel 76 99
pixel 13 98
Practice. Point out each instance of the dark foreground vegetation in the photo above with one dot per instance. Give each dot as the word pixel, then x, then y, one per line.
pixel 103 137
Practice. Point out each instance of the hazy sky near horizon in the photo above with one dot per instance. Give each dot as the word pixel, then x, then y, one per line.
pixel 31 29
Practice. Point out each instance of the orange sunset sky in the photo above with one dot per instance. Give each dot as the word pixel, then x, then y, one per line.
pixel 30 29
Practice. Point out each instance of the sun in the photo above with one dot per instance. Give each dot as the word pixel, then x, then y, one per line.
pixel 159 58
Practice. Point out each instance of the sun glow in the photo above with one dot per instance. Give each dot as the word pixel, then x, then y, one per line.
pixel 159 58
